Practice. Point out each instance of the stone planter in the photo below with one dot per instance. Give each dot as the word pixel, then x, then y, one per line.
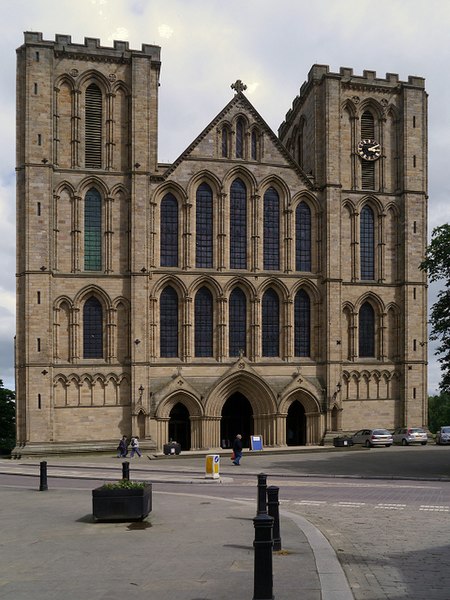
pixel 120 504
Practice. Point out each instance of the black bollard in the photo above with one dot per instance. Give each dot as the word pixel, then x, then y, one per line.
pixel 126 470
pixel 262 494
pixel 274 511
pixel 43 476
pixel 263 574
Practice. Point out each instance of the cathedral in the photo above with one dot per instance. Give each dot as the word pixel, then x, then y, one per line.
pixel 264 283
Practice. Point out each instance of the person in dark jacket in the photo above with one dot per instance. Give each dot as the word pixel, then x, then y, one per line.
pixel 237 449
pixel 122 449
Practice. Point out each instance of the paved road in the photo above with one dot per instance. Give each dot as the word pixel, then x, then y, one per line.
pixel 386 511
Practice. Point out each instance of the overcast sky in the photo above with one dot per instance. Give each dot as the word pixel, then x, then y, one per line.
pixel 208 44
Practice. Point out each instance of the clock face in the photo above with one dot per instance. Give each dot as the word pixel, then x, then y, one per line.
pixel 369 149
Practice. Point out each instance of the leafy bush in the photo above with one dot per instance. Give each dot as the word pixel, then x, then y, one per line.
pixel 124 484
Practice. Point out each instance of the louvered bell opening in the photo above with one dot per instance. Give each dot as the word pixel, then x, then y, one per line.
pixel 93 128
pixel 368 175
pixel 367 126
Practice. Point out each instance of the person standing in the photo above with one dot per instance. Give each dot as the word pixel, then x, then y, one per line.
pixel 237 449
pixel 135 447
pixel 122 448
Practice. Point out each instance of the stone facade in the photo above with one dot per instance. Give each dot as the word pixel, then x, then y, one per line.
pixel 260 284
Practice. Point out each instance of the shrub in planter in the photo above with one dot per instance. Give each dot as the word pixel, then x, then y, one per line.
pixel 122 501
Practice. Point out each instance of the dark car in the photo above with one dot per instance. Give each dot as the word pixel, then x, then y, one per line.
pixel 443 435
pixel 373 437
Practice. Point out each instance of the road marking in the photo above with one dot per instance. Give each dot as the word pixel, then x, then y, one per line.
pixel 434 508
pixel 350 504
pixel 388 506
pixel 311 502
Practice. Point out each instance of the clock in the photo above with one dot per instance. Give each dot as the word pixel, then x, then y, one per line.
pixel 369 149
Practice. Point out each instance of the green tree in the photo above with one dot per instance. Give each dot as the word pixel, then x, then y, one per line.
pixel 437 265
pixel 7 419
pixel 438 411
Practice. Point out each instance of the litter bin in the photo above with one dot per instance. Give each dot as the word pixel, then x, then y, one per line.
pixel 340 442
pixel 172 448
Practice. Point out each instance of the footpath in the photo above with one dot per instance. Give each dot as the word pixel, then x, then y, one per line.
pixel 190 547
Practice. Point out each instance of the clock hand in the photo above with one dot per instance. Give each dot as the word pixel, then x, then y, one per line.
pixel 374 148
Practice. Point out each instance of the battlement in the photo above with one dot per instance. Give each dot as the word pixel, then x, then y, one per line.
pixel 368 80
pixel 63 44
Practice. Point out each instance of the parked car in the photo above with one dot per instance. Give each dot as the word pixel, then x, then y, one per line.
pixel 443 435
pixel 373 437
pixel 410 435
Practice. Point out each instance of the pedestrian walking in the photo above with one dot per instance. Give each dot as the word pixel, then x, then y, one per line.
pixel 237 449
pixel 135 447
pixel 122 448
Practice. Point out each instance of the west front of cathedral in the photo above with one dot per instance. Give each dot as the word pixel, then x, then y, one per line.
pixel 263 284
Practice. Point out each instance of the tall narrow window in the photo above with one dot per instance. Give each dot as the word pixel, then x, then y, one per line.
pixel 254 145
pixel 367 167
pixel 302 324
pixel 92 329
pixel 367 243
pixel 240 138
pixel 92 231
pixel 271 229
pixel 168 328
pixel 237 322
pixel 204 227
pixel 169 231
pixel 93 127
pixel 270 324
pixel 203 322
pixel 225 142
pixel 303 237
pixel 238 225
pixel 366 331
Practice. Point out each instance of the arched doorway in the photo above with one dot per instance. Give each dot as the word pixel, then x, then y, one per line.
pixel 180 426
pixel 296 425
pixel 237 417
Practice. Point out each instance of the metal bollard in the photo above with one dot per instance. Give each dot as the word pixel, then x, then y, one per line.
pixel 43 476
pixel 274 511
pixel 262 494
pixel 263 573
pixel 125 470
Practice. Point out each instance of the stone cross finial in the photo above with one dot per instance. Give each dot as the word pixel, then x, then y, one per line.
pixel 238 86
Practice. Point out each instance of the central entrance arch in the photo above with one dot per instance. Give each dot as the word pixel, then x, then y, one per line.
pixel 180 426
pixel 296 425
pixel 237 417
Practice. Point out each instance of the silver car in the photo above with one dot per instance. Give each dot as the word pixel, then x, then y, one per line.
pixel 410 435
pixel 443 435
pixel 373 437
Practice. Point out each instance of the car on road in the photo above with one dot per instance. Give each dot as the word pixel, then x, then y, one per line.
pixel 410 435
pixel 443 435
pixel 373 437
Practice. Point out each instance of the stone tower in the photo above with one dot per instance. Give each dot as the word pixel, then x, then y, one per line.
pixel 260 284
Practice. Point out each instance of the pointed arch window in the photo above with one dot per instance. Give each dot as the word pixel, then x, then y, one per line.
pixel 204 227
pixel 225 136
pixel 303 237
pixel 168 329
pixel 169 231
pixel 366 331
pixel 237 322
pixel 240 138
pixel 93 127
pixel 92 231
pixel 92 329
pixel 302 324
pixel 367 243
pixel 254 144
pixel 203 323
pixel 271 229
pixel 238 225
pixel 270 324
